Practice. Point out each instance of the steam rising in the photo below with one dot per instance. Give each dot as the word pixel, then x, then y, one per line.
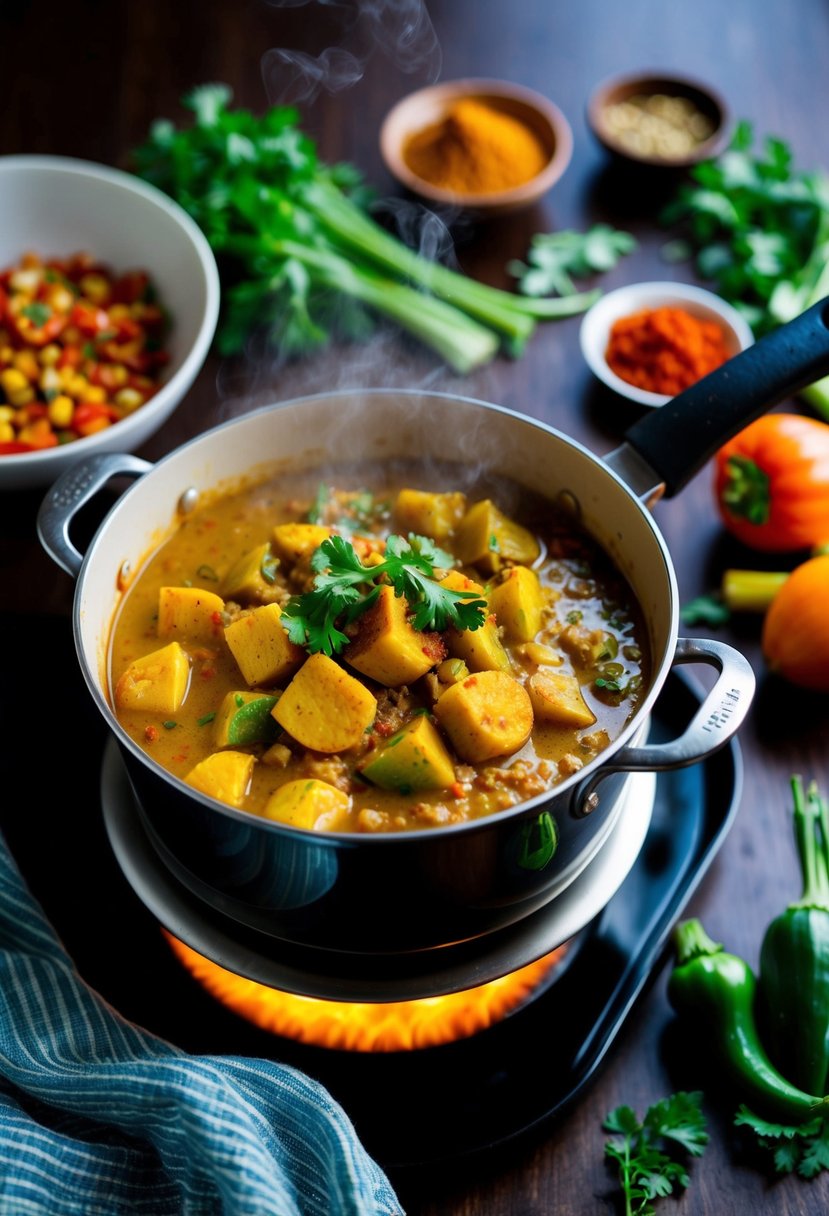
pixel 401 32
pixel 400 29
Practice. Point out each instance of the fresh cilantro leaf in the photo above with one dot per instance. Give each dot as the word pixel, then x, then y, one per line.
pixel 344 588
pixel 803 1149
pixel 646 1153
pixel 556 258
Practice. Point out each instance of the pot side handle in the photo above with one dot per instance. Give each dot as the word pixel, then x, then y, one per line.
pixel 718 718
pixel 669 446
pixel 72 490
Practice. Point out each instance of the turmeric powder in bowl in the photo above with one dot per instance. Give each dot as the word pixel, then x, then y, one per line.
pixel 665 349
pixel 484 147
pixel 475 149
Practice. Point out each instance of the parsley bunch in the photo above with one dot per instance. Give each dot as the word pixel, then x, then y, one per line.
pixel 344 588
pixel 300 255
pixel 648 1154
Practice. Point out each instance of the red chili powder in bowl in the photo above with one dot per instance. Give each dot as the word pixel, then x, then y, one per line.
pixel 664 350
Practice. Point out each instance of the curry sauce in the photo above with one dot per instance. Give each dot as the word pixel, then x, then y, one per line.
pixel 377 717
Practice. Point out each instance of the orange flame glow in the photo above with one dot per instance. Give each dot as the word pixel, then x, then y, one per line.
pixel 392 1026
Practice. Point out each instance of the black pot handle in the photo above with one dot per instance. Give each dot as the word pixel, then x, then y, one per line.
pixel 676 440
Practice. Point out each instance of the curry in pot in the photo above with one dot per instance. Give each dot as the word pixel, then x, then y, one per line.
pixel 383 652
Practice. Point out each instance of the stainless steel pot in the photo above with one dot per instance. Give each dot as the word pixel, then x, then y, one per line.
pixel 398 893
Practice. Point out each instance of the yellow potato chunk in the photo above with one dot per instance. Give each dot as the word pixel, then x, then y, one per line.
pixel 488 714
pixel 292 542
pixel 190 613
pixel 386 648
pixel 488 539
pixel 518 603
pixel 324 708
pixel 481 649
pixel 245 581
pixel 224 776
pixel 415 758
pixel 261 647
pixel 156 682
pixel 311 804
pixel 434 515
pixel 556 697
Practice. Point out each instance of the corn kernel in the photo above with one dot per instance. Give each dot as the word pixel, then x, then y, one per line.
pixel 6 432
pixel 128 398
pixel 95 393
pixel 118 374
pixel 6 354
pixel 6 413
pixel 49 354
pixel 118 312
pixel 26 362
pixel 76 386
pixel 95 287
pixel 60 410
pixel 21 396
pixel 13 380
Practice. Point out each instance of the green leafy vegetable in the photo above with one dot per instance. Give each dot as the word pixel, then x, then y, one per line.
pixel 302 259
pixel 344 588
pixel 803 1149
pixel 556 258
pixel 706 610
pixel 650 1155
pixel 758 229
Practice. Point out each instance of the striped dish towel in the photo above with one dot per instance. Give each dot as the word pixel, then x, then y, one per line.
pixel 100 1118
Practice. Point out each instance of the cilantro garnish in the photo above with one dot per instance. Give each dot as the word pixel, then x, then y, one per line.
pixel 344 588
pixel 649 1155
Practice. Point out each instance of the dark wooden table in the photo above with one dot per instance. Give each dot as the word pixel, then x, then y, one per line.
pixel 87 79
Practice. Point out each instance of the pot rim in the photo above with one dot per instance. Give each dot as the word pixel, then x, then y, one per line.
pixel 380 839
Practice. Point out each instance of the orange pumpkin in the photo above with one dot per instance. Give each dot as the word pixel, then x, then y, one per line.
pixel 795 636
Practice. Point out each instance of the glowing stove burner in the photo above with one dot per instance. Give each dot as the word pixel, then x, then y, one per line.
pixel 390 1026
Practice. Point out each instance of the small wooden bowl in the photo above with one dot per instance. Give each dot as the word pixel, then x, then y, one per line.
pixel 426 106
pixel 620 89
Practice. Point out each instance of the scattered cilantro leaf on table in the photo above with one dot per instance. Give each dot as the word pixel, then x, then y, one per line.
pixel 706 610
pixel 556 258
pixel 803 1149
pixel 650 1156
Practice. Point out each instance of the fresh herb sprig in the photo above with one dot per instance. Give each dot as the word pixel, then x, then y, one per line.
pixel 344 588
pixel 556 258
pixel 803 1149
pixel 649 1155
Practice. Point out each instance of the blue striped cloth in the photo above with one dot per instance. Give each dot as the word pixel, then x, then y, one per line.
pixel 100 1118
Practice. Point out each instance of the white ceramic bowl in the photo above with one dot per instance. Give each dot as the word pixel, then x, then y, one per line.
pixel 597 323
pixel 55 206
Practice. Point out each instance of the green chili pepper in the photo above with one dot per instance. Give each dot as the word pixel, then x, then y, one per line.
pixel 715 991
pixel 793 985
